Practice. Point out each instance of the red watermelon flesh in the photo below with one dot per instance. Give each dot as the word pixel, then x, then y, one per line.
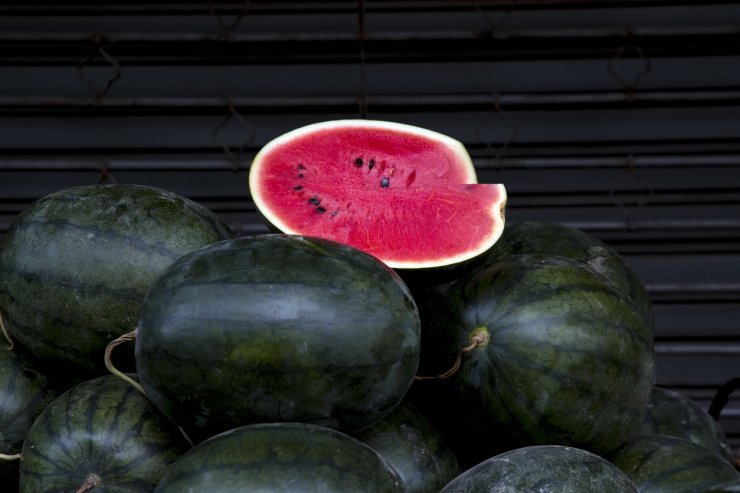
pixel 404 194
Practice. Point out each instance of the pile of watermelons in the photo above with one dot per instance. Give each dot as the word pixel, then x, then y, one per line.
pixel 151 349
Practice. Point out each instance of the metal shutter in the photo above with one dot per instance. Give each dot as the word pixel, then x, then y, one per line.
pixel 620 118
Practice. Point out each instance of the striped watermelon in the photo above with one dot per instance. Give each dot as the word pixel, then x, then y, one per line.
pixel 300 329
pixel 24 393
pixel 414 448
pixel 666 464
pixel 674 414
pixel 100 433
pixel 559 357
pixel 543 469
pixel 549 238
pixel 281 457
pixel 75 265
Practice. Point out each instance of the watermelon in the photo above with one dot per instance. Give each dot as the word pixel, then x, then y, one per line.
pixel 674 414
pixel 281 457
pixel 75 265
pixel 414 448
pixel 554 355
pixel 666 464
pixel 277 328
pixel 549 238
pixel 732 486
pixel 24 393
pixel 404 194
pixel 543 469
pixel 101 434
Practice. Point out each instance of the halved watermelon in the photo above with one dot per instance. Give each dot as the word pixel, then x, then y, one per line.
pixel 407 195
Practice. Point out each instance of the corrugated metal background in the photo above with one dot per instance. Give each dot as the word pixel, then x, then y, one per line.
pixel 620 118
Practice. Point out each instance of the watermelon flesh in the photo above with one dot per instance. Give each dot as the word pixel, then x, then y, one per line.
pixel 406 195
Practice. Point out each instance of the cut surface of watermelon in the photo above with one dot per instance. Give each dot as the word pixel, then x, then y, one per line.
pixel 407 195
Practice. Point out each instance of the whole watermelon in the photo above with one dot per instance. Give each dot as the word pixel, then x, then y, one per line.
pixel 277 328
pixel 414 448
pixel 75 265
pixel 24 393
pixel 543 469
pixel 666 464
pixel 281 458
pixel 674 414
pixel 102 433
pixel 555 355
pixel 550 238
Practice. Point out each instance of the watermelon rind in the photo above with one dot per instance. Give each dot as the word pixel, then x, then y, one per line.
pixel 433 213
pixel 281 457
pixel 543 469
pixel 298 329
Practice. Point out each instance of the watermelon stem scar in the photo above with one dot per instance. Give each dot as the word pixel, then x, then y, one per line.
pixel 91 482
pixel 5 333
pixel 127 337
pixel 479 338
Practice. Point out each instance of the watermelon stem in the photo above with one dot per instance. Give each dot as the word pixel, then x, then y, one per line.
pixel 478 339
pixel 127 337
pixel 10 456
pixel 6 333
pixel 91 482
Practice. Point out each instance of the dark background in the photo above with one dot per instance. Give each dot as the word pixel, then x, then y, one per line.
pixel 620 118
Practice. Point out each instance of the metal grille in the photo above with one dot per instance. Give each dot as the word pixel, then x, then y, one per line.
pixel 620 118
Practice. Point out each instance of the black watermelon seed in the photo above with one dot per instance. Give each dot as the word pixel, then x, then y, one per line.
pixel 298 187
pixel 385 182
pixel 314 201
pixel 300 166
pixel 320 210
pixel 371 164
pixel 358 162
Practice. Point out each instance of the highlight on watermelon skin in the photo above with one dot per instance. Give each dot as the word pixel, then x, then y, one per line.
pixel 405 194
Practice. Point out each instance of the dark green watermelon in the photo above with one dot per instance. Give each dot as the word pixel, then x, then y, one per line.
pixel 732 486
pixel 277 328
pixel 414 448
pixel 674 414
pixel 549 238
pixel 101 432
pixel 543 469
pixel 666 464
pixel 24 393
pixel 564 358
pixel 281 457
pixel 75 265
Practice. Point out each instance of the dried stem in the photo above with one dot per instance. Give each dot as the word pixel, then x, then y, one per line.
pixel 10 456
pixel 6 333
pixel 480 338
pixel 91 482
pixel 127 337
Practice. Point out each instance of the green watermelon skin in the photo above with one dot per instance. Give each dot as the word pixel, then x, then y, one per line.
pixel 732 486
pixel 281 457
pixel 105 427
pixel 549 238
pixel 674 414
pixel 569 359
pixel 543 469
pixel 24 393
pixel 414 448
pixel 666 464
pixel 76 264
pixel 277 328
